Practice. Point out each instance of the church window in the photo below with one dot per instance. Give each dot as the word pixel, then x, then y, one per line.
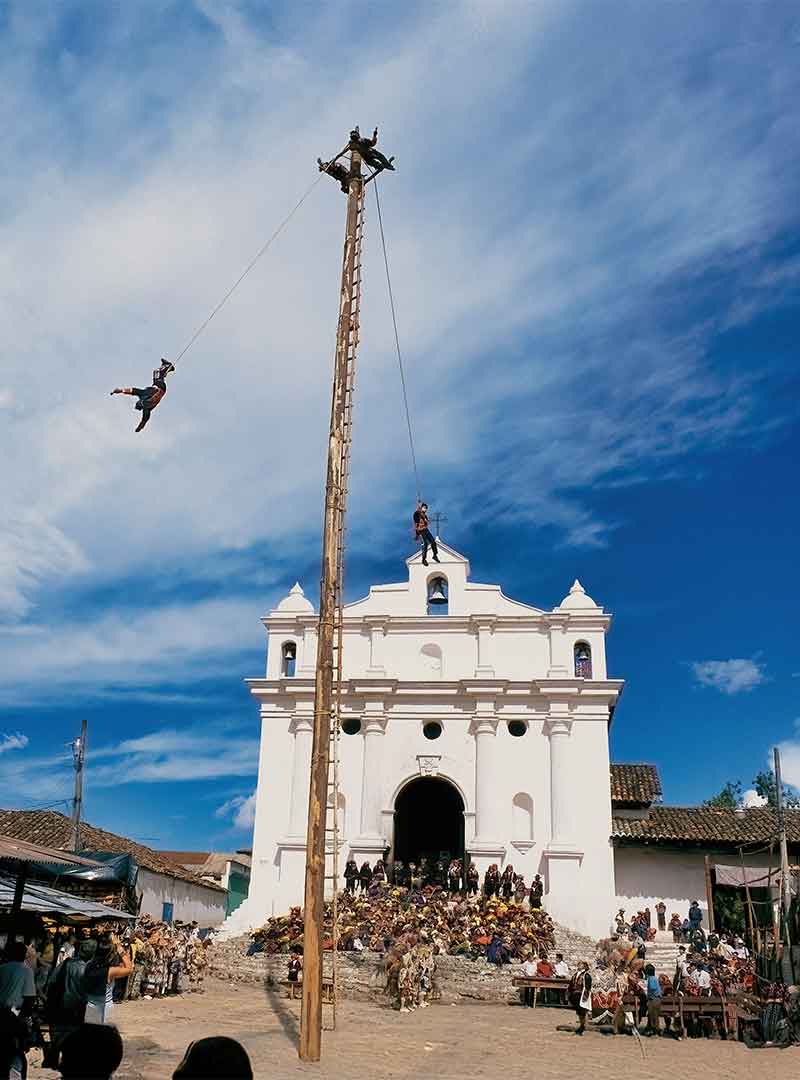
pixel 517 728
pixel 432 730
pixel 341 804
pixel 288 659
pixel 351 726
pixel 437 596
pixel 583 661
pixel 522 817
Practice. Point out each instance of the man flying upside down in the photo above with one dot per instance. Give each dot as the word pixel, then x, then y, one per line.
pixel 149 397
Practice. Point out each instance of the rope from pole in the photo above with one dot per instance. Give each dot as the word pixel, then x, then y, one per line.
pixel 397 344
pixel 262 251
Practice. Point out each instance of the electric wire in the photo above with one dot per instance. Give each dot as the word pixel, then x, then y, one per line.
pixel 262 251
pixel 397 344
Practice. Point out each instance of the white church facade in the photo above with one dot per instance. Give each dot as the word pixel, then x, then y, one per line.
pixel 472 722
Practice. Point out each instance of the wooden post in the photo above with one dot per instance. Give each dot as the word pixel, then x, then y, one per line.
pixel 79 757
pixel 335 497
pixel 786 885
pixel 709 895
pixel 749 903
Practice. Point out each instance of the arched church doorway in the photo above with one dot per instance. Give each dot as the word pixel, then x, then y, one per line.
pixel 428 820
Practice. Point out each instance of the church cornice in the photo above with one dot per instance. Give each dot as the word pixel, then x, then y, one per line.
pixel 542 622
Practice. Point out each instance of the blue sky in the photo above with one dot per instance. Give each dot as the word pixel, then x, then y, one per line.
pixel 596 259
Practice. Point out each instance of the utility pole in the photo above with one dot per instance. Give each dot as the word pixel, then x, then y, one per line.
pixel 79 758
pixel 328 669
pixel 786 886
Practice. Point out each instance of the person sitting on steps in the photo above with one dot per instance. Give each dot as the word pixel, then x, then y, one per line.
pixel 423 533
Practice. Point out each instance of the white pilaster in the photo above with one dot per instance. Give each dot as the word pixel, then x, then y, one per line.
pixel 373 726
pixel 488 828
pixel 309 658
pixel 484 631
pixel 377 628
pixel 303 728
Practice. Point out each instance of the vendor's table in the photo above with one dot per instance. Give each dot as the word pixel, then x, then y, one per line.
pixel 539 983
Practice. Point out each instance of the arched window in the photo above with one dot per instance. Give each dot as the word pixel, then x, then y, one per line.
pixel 522 818
pixel 288 659
pixel 583 660
pixel 437 595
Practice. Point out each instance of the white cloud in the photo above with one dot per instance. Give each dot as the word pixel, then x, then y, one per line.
pixel 242 810
pixel 729 676
pixel 13 742
pixel 751 799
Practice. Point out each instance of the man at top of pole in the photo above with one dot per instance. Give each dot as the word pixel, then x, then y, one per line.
pixel 423 533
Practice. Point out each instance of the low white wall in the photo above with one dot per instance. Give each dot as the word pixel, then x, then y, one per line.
pixel 645 876
pixel 191 903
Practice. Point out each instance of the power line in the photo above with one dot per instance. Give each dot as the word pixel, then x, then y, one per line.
pixel 397 343
pixel 247 270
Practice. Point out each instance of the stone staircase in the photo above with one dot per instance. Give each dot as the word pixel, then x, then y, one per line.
pixel 663 953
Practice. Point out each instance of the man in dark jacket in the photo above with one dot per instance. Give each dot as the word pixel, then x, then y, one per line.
pixel 66 1000
pixel 423 533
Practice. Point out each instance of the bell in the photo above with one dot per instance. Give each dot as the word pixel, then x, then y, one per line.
pixel 436 591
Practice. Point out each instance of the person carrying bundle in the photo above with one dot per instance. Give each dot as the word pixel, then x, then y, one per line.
pixel 150 396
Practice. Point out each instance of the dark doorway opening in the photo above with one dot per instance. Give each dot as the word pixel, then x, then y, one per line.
pixel 428 820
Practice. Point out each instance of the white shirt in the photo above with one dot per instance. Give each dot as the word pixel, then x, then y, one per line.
pixel 529 969
pixel 561 970
pixel 702 979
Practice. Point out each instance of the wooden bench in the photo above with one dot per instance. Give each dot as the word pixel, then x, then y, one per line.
pixel 541 983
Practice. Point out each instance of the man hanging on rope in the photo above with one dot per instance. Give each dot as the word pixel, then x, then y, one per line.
pixel 367 148
pixel 423 533
pixel 151 395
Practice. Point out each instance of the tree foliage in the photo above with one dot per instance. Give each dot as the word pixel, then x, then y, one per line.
pixel 765 784
pixel 728 798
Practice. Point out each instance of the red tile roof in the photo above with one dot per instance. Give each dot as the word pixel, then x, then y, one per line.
pixel 707 825
pixel 638 783
pixel 51 829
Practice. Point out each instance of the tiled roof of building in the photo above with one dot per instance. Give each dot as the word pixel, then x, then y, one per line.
pixel 638 783
pixel 706 825
pixel 51 829
pixel 186 858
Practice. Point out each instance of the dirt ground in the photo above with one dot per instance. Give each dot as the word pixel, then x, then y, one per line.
pixel 443 1041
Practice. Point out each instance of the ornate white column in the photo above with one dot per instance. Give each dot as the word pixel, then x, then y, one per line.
pixel 562 836
pixel 373 725
pixel 303 728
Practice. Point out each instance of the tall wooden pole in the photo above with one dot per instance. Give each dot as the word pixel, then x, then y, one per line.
pixel 709 894
pixel 79 758
pixel 335 497
pixel 786 885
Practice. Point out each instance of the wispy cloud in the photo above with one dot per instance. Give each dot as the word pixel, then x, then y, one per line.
pixel 13 742
pixel 511 307
pixel 241 810
pixel 729 676
pixel 159 757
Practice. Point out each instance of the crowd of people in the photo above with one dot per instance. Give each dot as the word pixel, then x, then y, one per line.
pixel 444 874
pixel 484 925
pixel 62 979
